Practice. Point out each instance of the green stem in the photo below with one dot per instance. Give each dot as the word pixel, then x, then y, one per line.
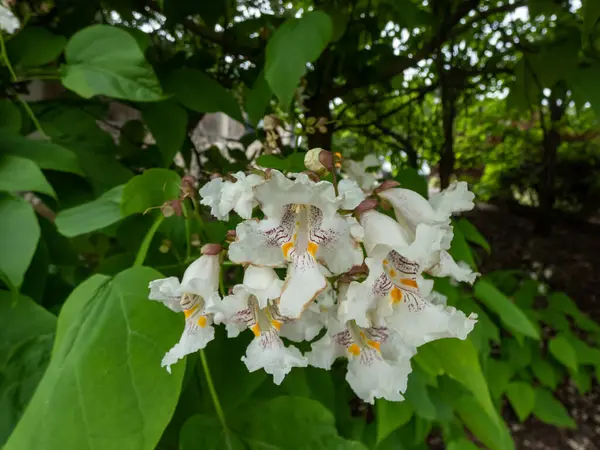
pixel 200 221
pixel 13 77
pixel 215 398
pixel 188 231
pixel 143 251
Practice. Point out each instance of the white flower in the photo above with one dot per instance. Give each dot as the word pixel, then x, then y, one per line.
pixel 8 21
pixel 357 171
pixel 249 307
pixel 301 228
pixel 411 209
pixel 196 296
pixel 378 360
pixel 224 196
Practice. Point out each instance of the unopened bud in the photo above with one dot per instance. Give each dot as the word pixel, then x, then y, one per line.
pixel 195 240
pixel 231 236
pixel 387 184
pixel 313 176
pixel 172 208
pixel 165 246
pixel 318 160
pixel 211 249
pixel 365 205
pixel 188 186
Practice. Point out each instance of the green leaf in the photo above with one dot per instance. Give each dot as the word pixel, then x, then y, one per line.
pixel 562 350
pixel 472 234
pixel 104 387
pixel 91 216
pixel 105 60
pixel 20 174
pixel 522 398
pixel 409 178
pixel 148 190
pixel 167 122
pixel 418 396
pixel 585 84
pixel 590 11
pixel 292 163
pixel 545 372
pixel 459 360
pixel 460 250
pixel 35 46
pixel 257 100
pixel 391 416
pixel 19 235
pixel 494 434
pixel 10 117
pixel 498 374
pixel 25 345
pixel 293 45
pixel 510 314
pixel 283 423
pixel 462 444
pixel 551 411
pixel 199 92
pixel 45 154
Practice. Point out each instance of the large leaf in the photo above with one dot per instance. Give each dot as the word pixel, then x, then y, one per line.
pixel 292 163
pixel 472 234
pixel 591 13
pixel 19 235
pixel 148 190
pixel 199 92
pixel 35 46
pixel 512 316
pixel 105 60
pixel 585 85
pixel 283 423
pixel 21 174
pixel 257 99
pixel 91 216
pixel 460 249
pixel 25 344
pixel 293 45
pixel 104 387
pixel 545 372
pixel 45 154
pixel 167 122
pixel 410 178
pixel 550 410
pixel 522 398
pixel 561 348
pixel 10 117
pixel 391 416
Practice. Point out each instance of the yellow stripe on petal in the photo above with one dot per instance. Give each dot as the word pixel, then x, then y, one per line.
pixel 255 329
pixel 409 282
pixel 188 312
pixel 276 324
pixel 374 344
pixel 354 349
pixel 396 295
pixel 202 321
pixel 313 248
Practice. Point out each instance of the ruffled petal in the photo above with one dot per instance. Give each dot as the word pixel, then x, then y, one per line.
pixel 269 353
pixel 234 311
pixel 8 21
pixel 279 191
pixel 432 323
pixel 324 352
pixel 447 267
pixel 166 290
pixel 370 376
pixel 410 207
pixel 304 281
pixel 202 276
pixel 263 283
pixel 455 198
pixel 211 194
pixel 381 229
pixel 306 327
pixel 197 333
pixel 351 195
pixel 259 243
pixel 338 249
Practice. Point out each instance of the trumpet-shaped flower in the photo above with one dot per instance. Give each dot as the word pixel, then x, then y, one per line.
pixel 8 21
pixel 250 306
pixel 411 209
pixel 303 229
pixel 224 196
pixel 378 360
pixel 196 296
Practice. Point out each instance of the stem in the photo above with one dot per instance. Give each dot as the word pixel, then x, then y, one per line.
pixel 222 282
pixel 13 77
pixel 333 174
pixel 188 233
pixel 200 221
pixel 215 398
pixel 143 251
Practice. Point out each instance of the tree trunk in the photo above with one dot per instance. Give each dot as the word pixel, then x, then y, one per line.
pixel 448 95
pixel 318 107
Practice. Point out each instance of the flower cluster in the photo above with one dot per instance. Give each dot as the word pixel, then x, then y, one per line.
pixel 373 310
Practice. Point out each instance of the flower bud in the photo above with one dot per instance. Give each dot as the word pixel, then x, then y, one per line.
pixel 365 205
pixel 387 184
pixel 231 236
pixel 165 246
pixel 171 208
pixel 313 176
pixel 211 249
pixel 188 186
pixel 318 160
pixel 195 240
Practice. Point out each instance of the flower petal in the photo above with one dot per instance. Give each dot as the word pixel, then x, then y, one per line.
pixel 166 290
pixel 211 194
pixel 381 229
pixel 455 198
pixel 263 283
pixel 410 207
pixel 303 283
pixel 269 353
pixel 306 327
pixel 338 250
pixel 260 243
pixel 202 276
pixel 351 194
pixel 197 333
pixel 447 267
pixel 234 311
pixel 324 352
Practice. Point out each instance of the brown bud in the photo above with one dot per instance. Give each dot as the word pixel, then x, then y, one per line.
pixel 211 249
pixel 366 205
pixel 387 184
pixel 231 236
pixel 165 246
pixel 313 176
